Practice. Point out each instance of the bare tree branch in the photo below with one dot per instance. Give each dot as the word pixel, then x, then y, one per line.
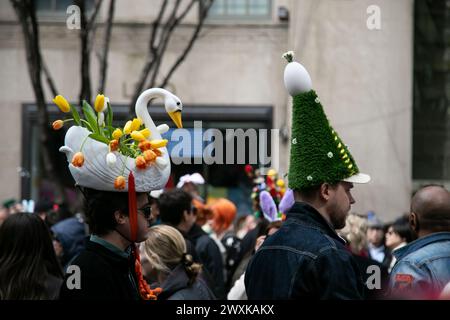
pixel 92 26
pixel 150 58
pixel 104 58
pixel 203 14
pixel 85 91
pixel 49 78
pixel 26 13
pixel 159 42
pixel 173 23
pixel 86 32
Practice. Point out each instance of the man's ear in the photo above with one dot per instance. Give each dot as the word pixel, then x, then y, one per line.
pixel 120 217
pixel 414 222
pixel 325 191
pixel 185 215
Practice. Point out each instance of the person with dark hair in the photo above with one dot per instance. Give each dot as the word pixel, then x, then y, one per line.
pixel 29 269
pixel 237 291
pixel 423 266
pixel 107 263
pixel 176 272
pixel 306 258
pixel 176 209
pixel 43 208
pixel 398 235
pixel 115 169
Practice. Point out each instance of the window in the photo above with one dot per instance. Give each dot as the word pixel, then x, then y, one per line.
pixel 53 5
pixel 57 9
pixel 431 112
pixel 240 10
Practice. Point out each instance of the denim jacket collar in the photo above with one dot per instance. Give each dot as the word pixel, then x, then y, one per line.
pixel 308 215
pixel 420 243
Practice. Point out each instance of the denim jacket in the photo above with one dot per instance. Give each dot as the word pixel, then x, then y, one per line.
pixel 423 268
pixel 305 258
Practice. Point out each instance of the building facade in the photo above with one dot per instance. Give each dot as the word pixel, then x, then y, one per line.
pixel 360 55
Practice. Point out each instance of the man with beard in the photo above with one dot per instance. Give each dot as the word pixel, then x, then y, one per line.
pixel 306 258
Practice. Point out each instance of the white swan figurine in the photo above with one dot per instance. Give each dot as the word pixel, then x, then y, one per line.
pixel 96 174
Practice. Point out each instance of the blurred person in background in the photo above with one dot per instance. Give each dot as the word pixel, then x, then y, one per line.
pixel 224 213
pixel 176 272
pixel 237 292
pixel 398 235
pixel 177 210
pixel 354 233
pixel 190 183
pixel 71 235
pixel 375 237
pixel 29 269
pixel 423 265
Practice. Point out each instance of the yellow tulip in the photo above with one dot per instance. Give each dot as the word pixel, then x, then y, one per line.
pixel 127 128
pixel 117 134
pixel 136 135
pixel 146 132
pixel 58 124
pixel 62 103
pixel 280 183
pixel 158 143
pixel 99 103
pixel 135 124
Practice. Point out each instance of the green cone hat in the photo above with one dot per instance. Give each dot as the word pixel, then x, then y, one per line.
pixel 318 154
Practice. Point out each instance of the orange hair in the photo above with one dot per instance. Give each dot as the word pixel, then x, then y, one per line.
pixel 204 213
pixel 224 213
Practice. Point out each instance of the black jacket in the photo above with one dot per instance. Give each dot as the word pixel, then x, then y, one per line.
pixel 210 257
pixel 104 275
pixel 176 287
pixel 304 259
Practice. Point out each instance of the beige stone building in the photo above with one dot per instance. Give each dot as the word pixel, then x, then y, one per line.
pixel 360 54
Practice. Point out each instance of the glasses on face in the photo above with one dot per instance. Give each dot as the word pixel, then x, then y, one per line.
pixel 390 232
pixel 146 211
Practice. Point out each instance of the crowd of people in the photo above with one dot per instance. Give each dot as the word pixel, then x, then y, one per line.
pixel 191 250
pixel 134 241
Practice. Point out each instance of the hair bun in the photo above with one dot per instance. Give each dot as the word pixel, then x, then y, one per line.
pixel 187 260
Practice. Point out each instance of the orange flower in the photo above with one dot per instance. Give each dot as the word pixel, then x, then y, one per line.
pixel 58 124
pixel 149 156
pixel 140 162
pixel 119 183
pixel 113 145
pixel 78 159
pixel 144 145
pixel 157 152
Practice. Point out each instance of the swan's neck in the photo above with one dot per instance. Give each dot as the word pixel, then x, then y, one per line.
pixel 142 111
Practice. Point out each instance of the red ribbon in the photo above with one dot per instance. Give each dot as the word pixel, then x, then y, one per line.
pixel 132 213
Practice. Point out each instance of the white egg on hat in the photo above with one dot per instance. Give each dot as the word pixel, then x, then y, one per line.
pixel 296 77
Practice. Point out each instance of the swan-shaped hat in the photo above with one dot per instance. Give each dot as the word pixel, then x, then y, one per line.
pixel 102 157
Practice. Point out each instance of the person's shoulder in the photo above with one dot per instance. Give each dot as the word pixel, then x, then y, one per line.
pixel 197 291
pixel 91 261
pixel 428 253
pixel 303 238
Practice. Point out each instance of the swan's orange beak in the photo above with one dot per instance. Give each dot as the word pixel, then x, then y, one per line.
pixel 176 118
